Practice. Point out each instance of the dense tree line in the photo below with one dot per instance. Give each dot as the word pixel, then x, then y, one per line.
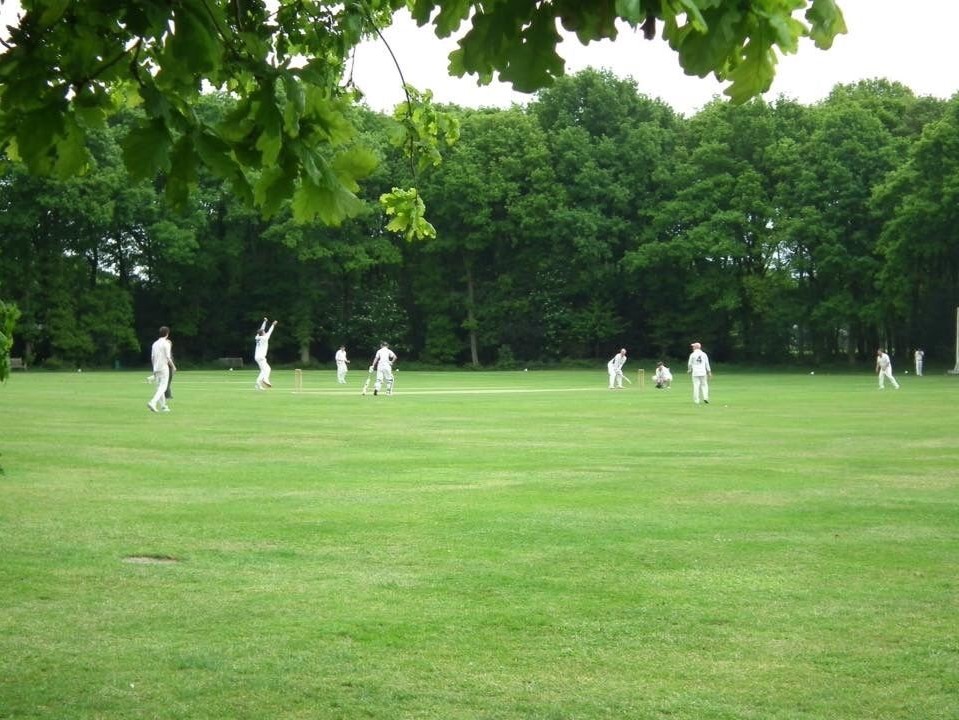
pixel 593 218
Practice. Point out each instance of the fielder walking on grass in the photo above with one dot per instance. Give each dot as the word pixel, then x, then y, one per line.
pixel 615 369
pixel 919 355
pixel 383 361
pixel 884 369
pixel 698 367
pixel 259 354
pixel 162 359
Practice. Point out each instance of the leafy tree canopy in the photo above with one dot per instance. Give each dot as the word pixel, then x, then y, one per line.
pixel 70 64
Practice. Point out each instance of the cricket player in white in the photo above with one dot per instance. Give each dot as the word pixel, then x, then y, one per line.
pixel 383 360
pixel 161 356
pixel 615 369
pixel 259 354
pixel 663 377
pixel 919 355
pixel 341 363
pixel 698 367
pixel 884 369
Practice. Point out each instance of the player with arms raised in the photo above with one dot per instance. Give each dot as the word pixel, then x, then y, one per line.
pixel 259 354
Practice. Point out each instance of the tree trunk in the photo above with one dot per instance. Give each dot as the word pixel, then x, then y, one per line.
pixel 470 317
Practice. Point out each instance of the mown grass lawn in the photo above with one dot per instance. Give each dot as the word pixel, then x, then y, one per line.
pixel 479 545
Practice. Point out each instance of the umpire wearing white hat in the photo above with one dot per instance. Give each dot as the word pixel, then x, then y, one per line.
pixel 698 367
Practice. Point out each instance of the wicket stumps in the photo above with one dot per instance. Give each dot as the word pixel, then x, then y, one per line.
pixel 641 378
pixel 297 380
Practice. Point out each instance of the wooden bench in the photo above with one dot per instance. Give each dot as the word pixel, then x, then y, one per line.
pixel 230 362
pixel 17 364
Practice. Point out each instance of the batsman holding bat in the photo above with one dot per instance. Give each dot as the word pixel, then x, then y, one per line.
pixel 384 360
pixel 615 369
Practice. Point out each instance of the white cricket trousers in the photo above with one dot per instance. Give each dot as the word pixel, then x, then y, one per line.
pixel 887 373
pixel 163 379
pixel 264 371
pixel 700 388
pixel 341 373
pixel 615 378
pixel 384 373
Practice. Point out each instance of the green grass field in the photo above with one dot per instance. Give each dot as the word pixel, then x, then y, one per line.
pixel 479 545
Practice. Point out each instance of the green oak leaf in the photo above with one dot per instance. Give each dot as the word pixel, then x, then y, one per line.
pixel 274 186
pixel 694 15
pixel 452 14
pixel 92 105
pixel 183 173
pixel 408 214
pixel 631 11
pixel 332 204
pixel 827 21
pixel 294 107
pixel 36 134
pixel 238 123
pixel 146 150
pixel 754 74
pixel 73 158
pixel 534 63
pixel 354 164
pixel 702 53
pixel 269 144
pixel 328 117
pixel 52 11
pixel 195 43
pixel 421 10
pixel 215 154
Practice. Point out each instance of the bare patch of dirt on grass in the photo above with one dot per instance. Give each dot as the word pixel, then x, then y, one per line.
pixel 151 559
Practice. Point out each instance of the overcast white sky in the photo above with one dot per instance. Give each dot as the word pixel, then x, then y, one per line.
pixel 914 43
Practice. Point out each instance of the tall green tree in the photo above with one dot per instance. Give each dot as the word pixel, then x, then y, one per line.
pixel 611 151
pixel 920 240
pixel 709 253
pixel 58 261
pixel 850 149
pixel 481 204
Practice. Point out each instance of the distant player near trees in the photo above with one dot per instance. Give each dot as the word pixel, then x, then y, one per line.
pixel 341 365
pixel 259 354
pixel 884 369
pixel 918 356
